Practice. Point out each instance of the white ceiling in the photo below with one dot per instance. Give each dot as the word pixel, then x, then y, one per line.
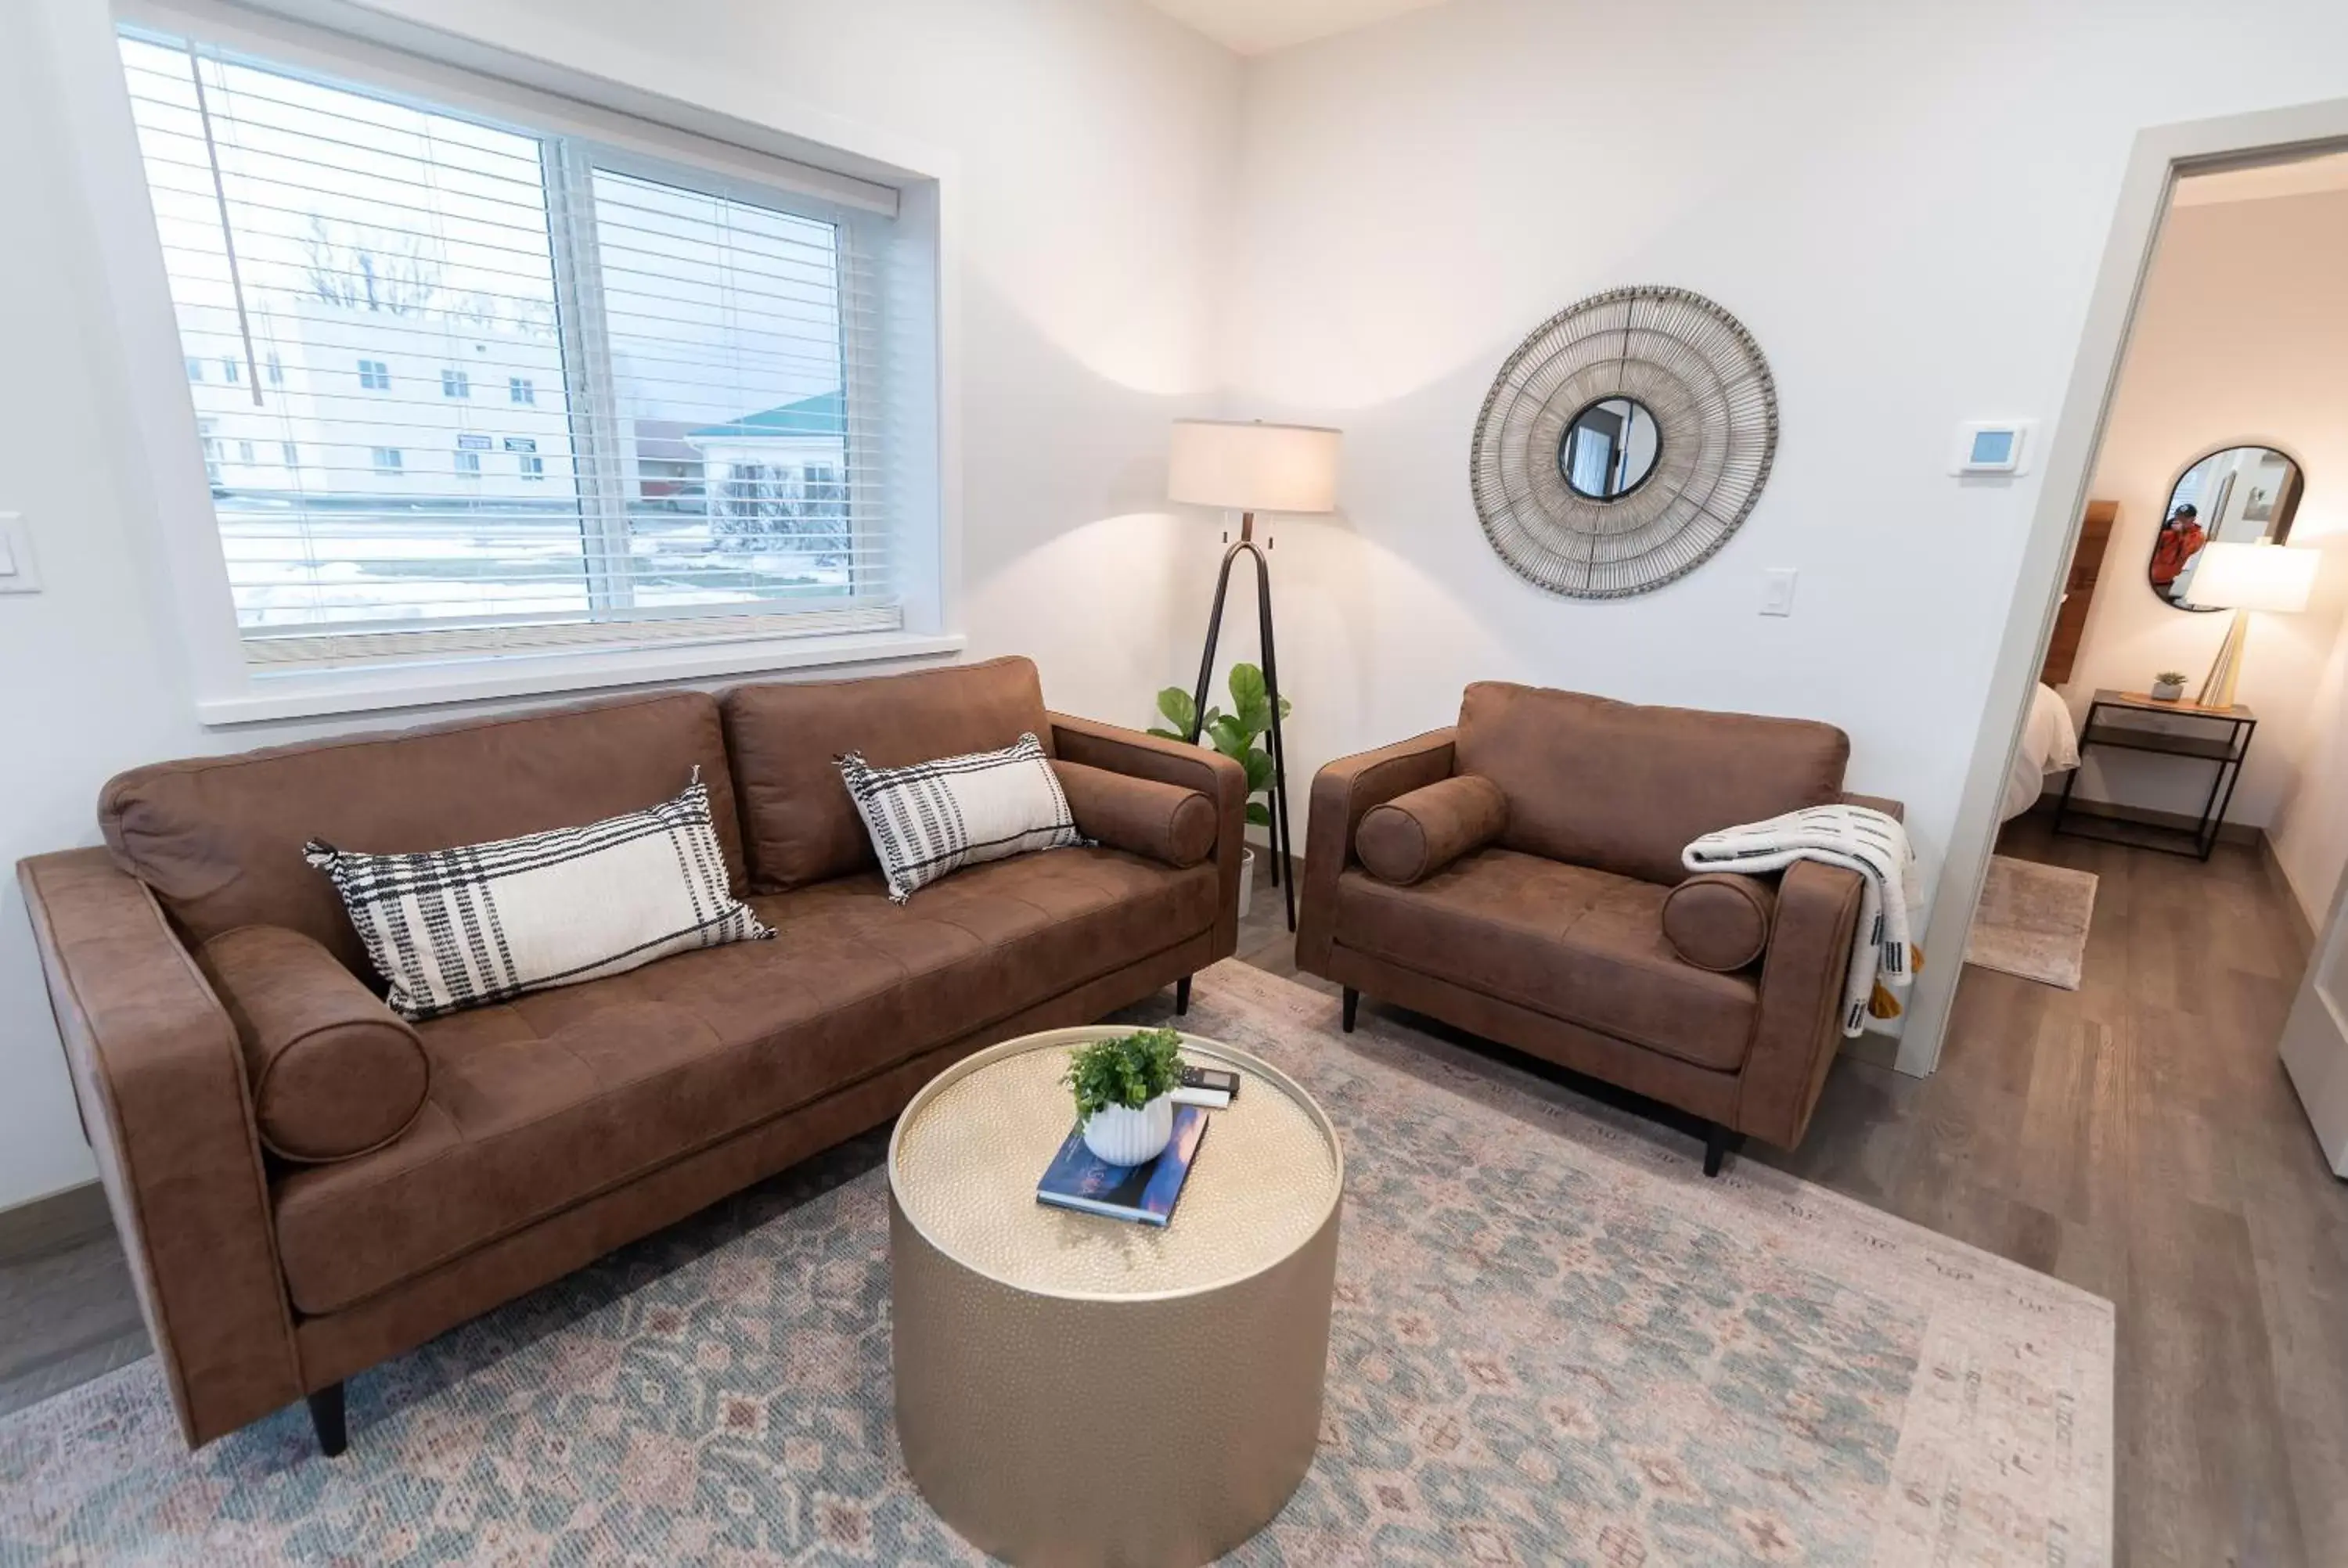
pixel 1260 26
pixel 2299 177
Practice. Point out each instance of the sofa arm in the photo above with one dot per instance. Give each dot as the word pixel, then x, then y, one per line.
pixel 1800 1024
pixel 161 1080
pixel 1117 749
pixel 1891 808
pixel 1341 792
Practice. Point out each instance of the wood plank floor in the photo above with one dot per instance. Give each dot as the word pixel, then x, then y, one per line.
pixel 2136 1137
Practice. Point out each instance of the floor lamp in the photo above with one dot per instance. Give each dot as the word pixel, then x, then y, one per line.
pixel 2244 577
pixel 1250 468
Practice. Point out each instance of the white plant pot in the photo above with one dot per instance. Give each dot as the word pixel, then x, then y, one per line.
pixel 1247 881
pixel 1124 1136
pixel 2167 691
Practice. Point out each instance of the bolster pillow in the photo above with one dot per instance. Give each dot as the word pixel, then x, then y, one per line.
pixel 1416 835
pixel 334 1073
pixel 1163 821
pixel 1720 920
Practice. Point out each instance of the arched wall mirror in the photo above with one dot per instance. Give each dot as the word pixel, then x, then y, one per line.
pixel 2241 495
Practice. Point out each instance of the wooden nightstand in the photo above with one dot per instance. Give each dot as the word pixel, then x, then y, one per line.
pixel 2108 725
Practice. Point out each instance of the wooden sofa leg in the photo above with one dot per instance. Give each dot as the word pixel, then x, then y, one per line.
pixel 1182 995
pixel 1718 1143
pixel 1353 1006
pixel 326 1417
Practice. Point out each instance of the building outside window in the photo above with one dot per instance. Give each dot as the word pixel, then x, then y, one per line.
pixel 231 371
pixel 212 450
pixel 244 452
pixel 726 337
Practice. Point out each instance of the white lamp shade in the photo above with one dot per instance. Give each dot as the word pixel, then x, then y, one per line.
pixel 2253 576
pixel 1253 467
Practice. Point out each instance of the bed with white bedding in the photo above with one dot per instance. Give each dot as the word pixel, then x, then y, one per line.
pixel 2050 744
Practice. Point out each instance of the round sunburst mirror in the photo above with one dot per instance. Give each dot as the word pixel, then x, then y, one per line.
pixel 1623 442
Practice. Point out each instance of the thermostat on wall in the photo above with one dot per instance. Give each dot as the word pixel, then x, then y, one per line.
pixel 1991 446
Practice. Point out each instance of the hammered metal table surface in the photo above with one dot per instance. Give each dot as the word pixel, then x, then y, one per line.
pixel 968 1153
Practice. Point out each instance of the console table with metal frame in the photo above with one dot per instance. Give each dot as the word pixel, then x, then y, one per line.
pixel 2204 744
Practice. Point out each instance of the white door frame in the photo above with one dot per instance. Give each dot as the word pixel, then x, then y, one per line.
pixel 2159 155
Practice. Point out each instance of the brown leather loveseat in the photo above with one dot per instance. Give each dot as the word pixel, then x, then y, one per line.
pixel 1519 876
pixel 202 977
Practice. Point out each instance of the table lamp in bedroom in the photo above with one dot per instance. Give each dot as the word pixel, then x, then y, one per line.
pixel 1250 468
pixel 2244 577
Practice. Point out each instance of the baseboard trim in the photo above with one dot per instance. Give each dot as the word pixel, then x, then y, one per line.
pixel 2303 929
pixel 2145 816
pixel 60 1219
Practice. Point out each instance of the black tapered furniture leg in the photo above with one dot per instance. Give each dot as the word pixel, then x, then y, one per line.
pixel 326 1419
pixel 1353 1006
pixel 1182 995
pixel 1718 1143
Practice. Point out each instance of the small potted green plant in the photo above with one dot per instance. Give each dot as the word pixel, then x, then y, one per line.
pixel 2169 686
pixel 1122 1086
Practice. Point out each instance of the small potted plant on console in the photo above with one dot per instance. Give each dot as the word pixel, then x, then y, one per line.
pixel 1122 1087
pixel 2169 686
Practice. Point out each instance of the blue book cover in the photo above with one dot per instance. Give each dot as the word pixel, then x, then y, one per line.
pixel 1078 1179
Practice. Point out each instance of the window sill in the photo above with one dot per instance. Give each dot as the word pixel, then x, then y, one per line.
pixel 318 693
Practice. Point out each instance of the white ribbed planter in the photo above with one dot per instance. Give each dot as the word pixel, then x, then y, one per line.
pixel 1124 1136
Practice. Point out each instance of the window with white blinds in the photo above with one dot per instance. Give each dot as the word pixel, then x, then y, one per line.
pixel 466 386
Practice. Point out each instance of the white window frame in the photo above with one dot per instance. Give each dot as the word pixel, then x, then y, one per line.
pixel 732 130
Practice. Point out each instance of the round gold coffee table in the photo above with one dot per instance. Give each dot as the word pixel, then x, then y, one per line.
pixel 1077 1389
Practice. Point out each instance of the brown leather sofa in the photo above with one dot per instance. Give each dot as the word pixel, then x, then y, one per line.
pixel 557 1126
pixel 1519 876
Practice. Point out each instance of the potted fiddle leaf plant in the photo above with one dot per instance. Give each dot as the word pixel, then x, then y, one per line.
pixel 1122 1086
pixel 1235 736
pixel 2169 686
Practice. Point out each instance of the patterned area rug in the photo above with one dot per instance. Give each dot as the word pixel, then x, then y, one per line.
pixel 2032 921
pixel 1553 1341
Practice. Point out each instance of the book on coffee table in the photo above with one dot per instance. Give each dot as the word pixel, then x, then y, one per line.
pixel 1145 1193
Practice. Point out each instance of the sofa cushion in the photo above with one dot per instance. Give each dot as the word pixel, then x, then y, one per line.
pixel 1624 788
pixel 932 818
pixel 333 1073
pixel 1720 919
pixel 541 1102
pixel 1161 822
pixel 1418 832
pixel 219 838
pixel 1579 944
pixel 799 824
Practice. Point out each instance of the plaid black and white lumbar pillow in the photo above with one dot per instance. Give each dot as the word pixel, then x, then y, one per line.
pixel 934 817
pixel 453 928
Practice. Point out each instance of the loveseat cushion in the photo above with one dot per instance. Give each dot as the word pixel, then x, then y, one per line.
pixel 1579 944
pixel 219 838
pixel 800 825
pixel 1720 919
pixel 541 1102
pixel 1410 838
pixel 1624 788
pixel 332 1071
pixel 1160 822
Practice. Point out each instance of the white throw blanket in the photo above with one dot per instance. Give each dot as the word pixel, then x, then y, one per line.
pixel 1865 841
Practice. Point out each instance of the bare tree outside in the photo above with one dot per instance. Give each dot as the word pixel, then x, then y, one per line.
pixel 367 269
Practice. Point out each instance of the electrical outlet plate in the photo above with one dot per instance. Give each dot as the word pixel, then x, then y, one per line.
pixel 1777 590
pixel 17 572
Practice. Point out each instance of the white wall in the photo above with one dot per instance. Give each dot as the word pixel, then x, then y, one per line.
pixel 2239 339
pixel 1096 144
pixel 1907 206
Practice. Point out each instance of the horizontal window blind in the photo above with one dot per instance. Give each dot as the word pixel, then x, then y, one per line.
pixel 462 387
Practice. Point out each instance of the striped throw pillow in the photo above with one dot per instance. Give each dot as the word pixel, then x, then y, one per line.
pixel 454 928
pixel 934 817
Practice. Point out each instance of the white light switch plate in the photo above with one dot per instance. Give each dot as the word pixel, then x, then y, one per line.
pixel 17 573
pixel 1777 590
